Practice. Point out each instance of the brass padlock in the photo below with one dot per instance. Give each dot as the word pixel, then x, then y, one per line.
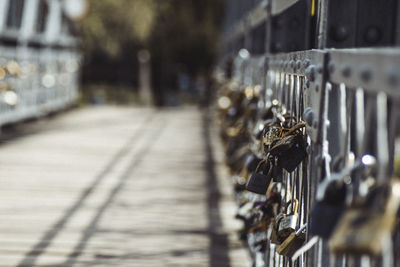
pixel 365 230
pixel 294 241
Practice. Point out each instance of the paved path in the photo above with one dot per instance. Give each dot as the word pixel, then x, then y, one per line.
pixel 114 186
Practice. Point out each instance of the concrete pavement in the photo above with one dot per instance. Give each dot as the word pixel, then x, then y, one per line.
pixel 117 186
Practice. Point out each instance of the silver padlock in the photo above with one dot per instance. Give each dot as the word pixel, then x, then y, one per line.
pixel 287 224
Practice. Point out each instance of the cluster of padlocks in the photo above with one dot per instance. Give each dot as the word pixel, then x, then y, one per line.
pixel 352 207
pixel 33 84
pixel 39 58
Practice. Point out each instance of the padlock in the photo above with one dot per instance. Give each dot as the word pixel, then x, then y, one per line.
pixel 294 241
pixel 331 197
pixel 258 183
pixel 364 230
pixel 290 151
pixel 274 236
pixel 288 223
pixel 326 212
pixel 272 133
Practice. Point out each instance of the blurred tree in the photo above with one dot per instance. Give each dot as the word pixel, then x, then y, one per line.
pixel 113 23
pixel 181 35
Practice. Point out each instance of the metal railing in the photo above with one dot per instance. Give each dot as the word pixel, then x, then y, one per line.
pixel 349 99
pixel 39 59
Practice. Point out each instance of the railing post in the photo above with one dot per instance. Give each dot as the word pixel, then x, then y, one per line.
pixel 3 13
pixel 29 19
pixel 53 25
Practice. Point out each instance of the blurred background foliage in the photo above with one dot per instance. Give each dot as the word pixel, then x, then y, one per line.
pixel 181 36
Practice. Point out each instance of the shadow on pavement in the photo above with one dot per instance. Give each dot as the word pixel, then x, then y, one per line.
pixel 218 250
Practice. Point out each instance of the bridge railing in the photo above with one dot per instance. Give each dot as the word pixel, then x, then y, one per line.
pixel 348 98
pixel 39 58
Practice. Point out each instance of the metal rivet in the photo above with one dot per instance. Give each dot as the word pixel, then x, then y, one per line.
pixel 306 63
pixel 298 64
pixel 372 35
pixel 320 68
pixel 286 63
pixel 365 73
pixel 346 71
pixel 340 33
pixel 308 116
pixel 310 73
pixel 292 63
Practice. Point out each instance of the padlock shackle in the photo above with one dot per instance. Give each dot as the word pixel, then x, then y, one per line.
pixel 298 126
pixel 365 163
pixel 301 229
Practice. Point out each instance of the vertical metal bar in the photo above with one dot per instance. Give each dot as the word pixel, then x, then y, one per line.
pixel 53 25
pixel 290 96
pixel 268 27
pixel 323 21
pixel 360 122
pixel 29 19
pixel 393 124
pixel 3 13
pixel 343 129
pixel 382 137
pixel 282 86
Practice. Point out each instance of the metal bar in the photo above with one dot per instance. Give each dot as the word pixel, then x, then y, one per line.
pixel 374 70
pixel 3 13
pixel 29 18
